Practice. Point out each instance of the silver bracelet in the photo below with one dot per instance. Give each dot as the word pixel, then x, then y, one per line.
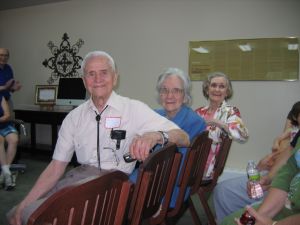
pixel 163 140
pixel 165 137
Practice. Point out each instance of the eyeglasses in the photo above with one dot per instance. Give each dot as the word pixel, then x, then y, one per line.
pixel 4 55
pixel 174 91
pixel 215 85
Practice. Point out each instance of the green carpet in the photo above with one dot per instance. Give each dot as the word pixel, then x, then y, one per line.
pixel 24 184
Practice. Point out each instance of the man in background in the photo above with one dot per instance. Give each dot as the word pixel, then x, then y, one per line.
pixel 7 82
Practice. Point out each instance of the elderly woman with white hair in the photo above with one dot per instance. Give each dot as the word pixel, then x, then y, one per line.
pixel 173 87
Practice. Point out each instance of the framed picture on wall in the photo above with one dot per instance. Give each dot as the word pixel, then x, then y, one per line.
pixel 45 94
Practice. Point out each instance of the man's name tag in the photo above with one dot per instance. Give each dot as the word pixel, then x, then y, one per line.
pixel 112 122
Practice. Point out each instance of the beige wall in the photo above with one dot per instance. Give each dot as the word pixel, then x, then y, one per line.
pixel 145 37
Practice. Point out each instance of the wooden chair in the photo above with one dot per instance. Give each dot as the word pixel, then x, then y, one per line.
pixel 190 177
pixel 102 200
pixel 153 190
pixel 207 186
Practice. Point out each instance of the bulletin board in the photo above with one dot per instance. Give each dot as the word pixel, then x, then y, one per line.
pixel 262 59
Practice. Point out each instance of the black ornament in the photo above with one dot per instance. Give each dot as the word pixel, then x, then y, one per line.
pixel 64 61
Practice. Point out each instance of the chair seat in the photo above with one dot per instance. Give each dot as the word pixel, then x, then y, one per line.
pixel 18 167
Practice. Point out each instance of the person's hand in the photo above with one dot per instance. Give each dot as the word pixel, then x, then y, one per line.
pixel 212 122
pixel 275 147
pixel 141 145
pixel 266 162
pixel 259 219
pixel 16 86
pixel 237 221
pixel 217 123
pixel 15 218
pixel 9 84
pixel 265 182
pixel 282 142
pixel 277 155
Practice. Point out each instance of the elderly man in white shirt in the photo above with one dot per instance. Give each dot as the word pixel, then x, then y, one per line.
pixel 87 131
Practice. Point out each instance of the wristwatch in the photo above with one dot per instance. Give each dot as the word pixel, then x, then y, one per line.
pixel 165 137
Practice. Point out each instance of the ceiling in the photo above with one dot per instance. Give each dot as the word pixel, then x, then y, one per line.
pixel 13 4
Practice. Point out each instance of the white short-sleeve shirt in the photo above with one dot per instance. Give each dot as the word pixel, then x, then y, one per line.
pixel 79 131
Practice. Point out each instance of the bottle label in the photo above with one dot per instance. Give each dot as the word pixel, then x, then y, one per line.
pixel 256 190
pixel 254 177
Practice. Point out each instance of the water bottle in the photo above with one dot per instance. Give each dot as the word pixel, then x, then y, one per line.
pixel 254 177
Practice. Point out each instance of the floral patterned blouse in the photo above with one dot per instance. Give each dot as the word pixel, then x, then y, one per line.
pixel 229 115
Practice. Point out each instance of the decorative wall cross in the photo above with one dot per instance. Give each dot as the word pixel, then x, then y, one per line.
pixel 65 62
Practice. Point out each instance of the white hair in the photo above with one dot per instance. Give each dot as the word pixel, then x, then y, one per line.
pixel 94 54
pixel 182 76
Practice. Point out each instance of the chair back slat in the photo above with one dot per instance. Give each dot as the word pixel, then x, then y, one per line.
pixel 155 182
pixel 221 159
pixel 200 151
pixel 192 170
pixel 207 186
pixel 102 200
pixel 226 145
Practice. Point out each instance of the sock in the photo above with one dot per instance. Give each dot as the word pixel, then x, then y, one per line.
pixel 5 169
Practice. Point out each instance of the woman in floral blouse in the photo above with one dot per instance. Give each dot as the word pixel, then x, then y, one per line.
pixel 219 115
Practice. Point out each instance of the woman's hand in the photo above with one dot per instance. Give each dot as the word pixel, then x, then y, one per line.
pixel 217 123
pixel 265 182
pixel 237 221
pixel 275 146
pixel 265 163
pixel 268 161
pixel 15 218
pixel 259 219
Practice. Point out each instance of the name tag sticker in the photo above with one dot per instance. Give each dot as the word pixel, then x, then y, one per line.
pixel 112 122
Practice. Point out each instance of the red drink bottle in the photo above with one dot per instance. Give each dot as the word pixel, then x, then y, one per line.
pixel 247 219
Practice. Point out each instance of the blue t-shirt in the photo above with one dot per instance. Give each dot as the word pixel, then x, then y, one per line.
pixel 193 125
pixel 5 75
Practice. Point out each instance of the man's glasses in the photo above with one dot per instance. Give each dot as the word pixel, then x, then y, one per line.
pixel 174 91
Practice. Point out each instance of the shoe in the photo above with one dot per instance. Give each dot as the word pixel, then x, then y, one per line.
pixel 8 182
pixel 14 176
